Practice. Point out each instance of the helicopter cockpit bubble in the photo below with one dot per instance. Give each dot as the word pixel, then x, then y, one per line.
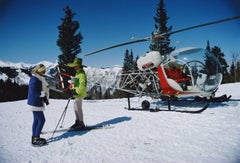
pixel 148 61
pixel 201 66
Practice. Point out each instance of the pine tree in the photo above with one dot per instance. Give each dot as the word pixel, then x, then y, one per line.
pixel 216 51
pixel 232 73
pixel 220 56
pixel 238 71
pixel 161 44
pixel 135 64
pixel 234 69
pixel 128 63
pixel 131 61
pixel 68 40
pixel 209 63
pixel 208 46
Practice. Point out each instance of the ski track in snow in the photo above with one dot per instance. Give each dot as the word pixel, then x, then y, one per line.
pixel 169 137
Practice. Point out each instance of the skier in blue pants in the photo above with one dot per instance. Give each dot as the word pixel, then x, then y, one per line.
pixel 38 94
pixel 38 122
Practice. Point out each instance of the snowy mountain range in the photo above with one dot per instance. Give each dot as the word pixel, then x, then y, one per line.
pixel 20 73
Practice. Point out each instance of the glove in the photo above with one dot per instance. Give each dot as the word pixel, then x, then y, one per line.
pixel 73 92
pixel 45 100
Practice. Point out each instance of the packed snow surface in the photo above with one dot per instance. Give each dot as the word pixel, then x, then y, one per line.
pixel 135 136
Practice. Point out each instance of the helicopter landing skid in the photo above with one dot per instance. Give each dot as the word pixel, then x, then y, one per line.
pixel 173 110
pixel 223 98
pixel 146 107
pixel 184 111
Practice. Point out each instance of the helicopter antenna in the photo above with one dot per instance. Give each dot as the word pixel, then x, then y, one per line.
pixel 156 35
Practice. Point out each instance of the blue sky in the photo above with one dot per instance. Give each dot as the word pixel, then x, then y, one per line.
pixel 28 30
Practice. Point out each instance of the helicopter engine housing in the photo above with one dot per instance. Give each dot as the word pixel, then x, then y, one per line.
pixel 149 61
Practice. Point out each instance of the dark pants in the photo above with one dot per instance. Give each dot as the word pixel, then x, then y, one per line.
pixel 38 122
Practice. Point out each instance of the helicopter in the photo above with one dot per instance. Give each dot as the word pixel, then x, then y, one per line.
pixel 182 74
pixel 186 72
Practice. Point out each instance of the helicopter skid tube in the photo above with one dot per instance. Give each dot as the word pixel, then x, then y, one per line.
pixel 180 109
pixel 174 110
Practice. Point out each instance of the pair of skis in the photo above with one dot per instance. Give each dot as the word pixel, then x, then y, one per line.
pixel 87 128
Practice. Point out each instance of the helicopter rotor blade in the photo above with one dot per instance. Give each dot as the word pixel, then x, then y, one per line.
pixel 163 34
pixel 121 44
pixel 205 24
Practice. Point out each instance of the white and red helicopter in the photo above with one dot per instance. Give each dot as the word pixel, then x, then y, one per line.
pixel 186 72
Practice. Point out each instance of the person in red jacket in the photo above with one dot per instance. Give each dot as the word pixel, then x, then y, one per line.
pixel 38 94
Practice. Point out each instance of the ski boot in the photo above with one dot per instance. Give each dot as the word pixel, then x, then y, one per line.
pixel 38 142
pixel 79 125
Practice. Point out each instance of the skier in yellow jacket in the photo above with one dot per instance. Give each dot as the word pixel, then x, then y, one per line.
pixel 79 88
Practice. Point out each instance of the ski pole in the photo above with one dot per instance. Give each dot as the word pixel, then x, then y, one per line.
pixel 63 119
pixel 63 115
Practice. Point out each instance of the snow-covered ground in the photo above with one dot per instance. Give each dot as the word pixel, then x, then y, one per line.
pixel 166 137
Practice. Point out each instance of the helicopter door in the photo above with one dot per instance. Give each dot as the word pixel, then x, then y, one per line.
pixel 174 71
pixel 168 85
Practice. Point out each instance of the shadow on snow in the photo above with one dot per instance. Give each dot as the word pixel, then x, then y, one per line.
pixel 67 134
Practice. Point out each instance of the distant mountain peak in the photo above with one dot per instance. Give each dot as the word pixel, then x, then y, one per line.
pixel 20 73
